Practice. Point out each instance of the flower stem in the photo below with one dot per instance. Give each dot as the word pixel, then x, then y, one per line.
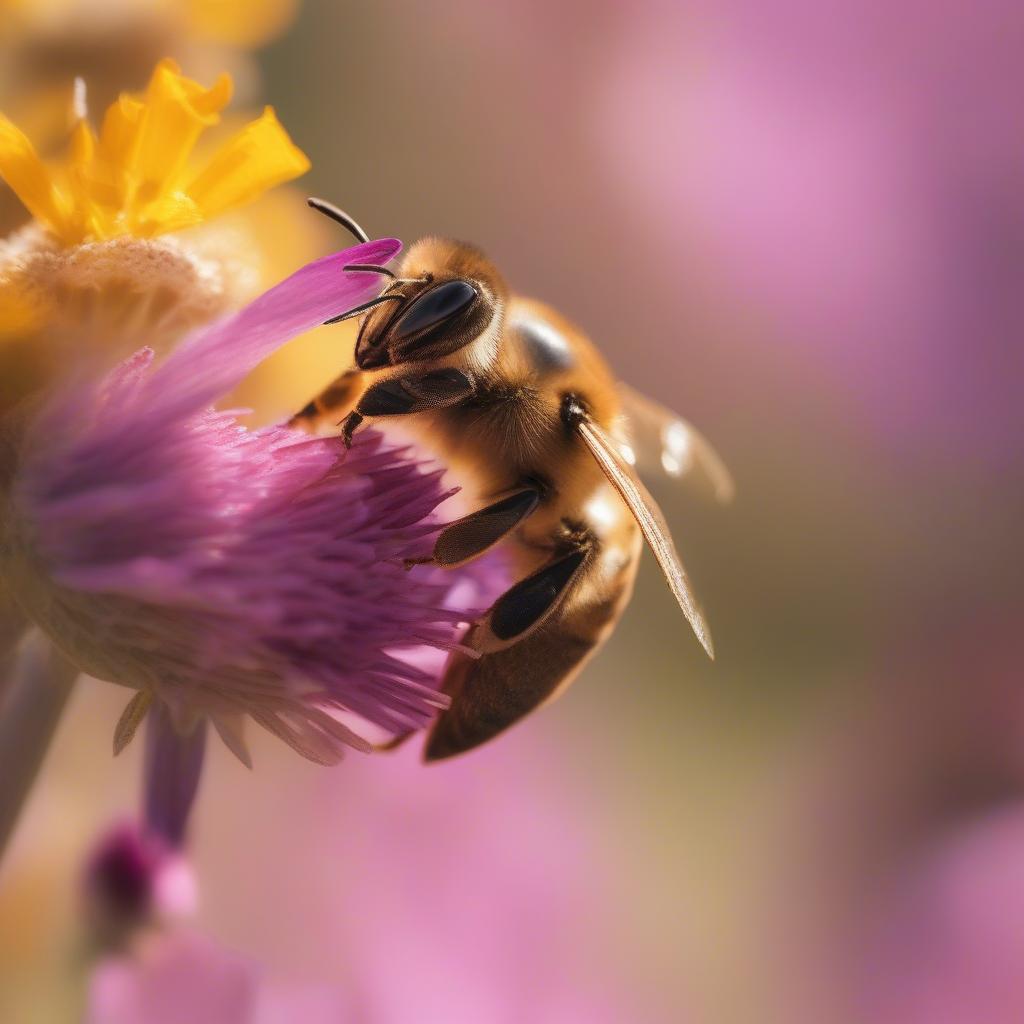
pixel 38 685
pixel 12 623
pixel 174 762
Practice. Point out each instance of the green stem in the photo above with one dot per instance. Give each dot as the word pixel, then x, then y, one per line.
pixel 38 685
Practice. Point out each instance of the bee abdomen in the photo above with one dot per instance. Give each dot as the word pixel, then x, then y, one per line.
pixel 496 690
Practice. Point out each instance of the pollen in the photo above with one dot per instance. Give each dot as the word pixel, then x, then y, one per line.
pixel 135 176
pixel 59 305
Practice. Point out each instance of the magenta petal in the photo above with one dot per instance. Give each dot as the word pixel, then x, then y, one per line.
pixel 213 360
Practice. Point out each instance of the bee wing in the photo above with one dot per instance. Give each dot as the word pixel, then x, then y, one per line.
pixel 663 442
pixel 652 523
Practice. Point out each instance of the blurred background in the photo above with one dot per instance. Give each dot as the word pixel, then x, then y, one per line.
pixel 802 226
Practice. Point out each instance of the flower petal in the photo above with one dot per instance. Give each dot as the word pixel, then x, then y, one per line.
pixel 87 218
pixel 176 112
pixel 181 977
pixel 131 718
pixel 120 132
pixel 259 157
pixel 213 360
pixel 231 729
pixel 25 172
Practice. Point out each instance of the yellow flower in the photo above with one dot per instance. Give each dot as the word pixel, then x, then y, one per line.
pixel 119 246
pixel 134 177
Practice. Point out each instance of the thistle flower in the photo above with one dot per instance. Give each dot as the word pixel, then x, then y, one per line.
pixel 224 573
pixel 105 256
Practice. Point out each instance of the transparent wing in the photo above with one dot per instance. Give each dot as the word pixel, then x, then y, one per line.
pixel 652 523
pixel 664 443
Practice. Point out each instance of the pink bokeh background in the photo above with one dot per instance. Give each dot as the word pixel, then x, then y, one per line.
pixel 800 224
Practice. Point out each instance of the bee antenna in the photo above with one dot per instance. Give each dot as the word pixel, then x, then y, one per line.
pixel 370 268
pixel 336 214
pixel 358 310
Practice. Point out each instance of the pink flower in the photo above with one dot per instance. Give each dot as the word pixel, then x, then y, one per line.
pixel 182 976
pixel 133 878
pixel 951 946
pixel 851 175
pixel 481 890
pixel 464 893
pixel 228 573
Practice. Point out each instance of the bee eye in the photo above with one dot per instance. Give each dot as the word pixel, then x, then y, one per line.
pixel 435 307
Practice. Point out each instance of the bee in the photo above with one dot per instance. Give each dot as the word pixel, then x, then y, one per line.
pixel 519 401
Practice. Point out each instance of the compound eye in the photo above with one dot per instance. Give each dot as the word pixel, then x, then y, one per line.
pixel 445 302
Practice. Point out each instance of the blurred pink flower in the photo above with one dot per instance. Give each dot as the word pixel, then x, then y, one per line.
pixel 478 890
pixel 183 976
pixel 851 174
pixel 951 946
pixel 227 572
pixel 463 894
pixel 134 878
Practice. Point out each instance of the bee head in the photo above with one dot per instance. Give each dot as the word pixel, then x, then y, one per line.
pixel 447 295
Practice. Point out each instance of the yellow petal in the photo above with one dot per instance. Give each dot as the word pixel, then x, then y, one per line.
pixel 112 179
pixel 119 135
pixel 176 112
pixel 81 154
pixel 208 102
pixel 83 146
pixel 171 212
pixel 132 178
pixel 28 177
pixel 259 157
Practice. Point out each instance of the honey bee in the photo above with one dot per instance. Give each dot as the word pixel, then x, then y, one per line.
pixel 518 401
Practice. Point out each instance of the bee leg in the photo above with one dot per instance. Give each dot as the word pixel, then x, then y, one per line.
pixel 466 538
pixel 521 664
pixel 398 396
pixel 348 427
pixel 492 692
pixel 528 604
